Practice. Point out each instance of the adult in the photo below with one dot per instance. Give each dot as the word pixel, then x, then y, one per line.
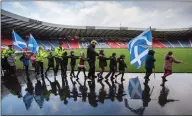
pixel 58 57
pixel 91 56
pixel 4 56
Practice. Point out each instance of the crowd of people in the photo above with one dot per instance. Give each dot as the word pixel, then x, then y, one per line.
pixel 61 57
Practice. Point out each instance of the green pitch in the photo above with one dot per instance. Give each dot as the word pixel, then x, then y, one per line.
pixel 183 54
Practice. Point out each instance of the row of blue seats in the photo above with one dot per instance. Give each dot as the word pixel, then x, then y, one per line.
pixel 176 43
pixel 101 44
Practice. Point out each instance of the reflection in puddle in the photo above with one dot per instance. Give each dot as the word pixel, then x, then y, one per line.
pixel 42 94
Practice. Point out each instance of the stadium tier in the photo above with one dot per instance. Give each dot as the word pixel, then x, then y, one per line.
pixel 50 45
pixel 48 35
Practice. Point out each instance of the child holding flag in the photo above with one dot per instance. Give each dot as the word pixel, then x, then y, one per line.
pixel 149 64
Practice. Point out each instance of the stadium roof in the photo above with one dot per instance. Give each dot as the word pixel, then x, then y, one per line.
pixel 24 26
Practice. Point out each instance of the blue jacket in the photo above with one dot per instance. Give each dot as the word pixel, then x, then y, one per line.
pixel 26 61
pixel 150 60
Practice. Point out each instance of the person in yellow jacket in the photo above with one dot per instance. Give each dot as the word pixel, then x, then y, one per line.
pixel 41 55
pixel 58 57
pixel 4 55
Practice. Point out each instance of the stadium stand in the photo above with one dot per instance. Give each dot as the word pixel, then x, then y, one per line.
pixel 166 43
pixel 121 44
pixel 175 43
pixel 112 44
pixel 65 44
pixel 6 41
pixel 54 43
pixel 158 44
pixel 74 44
pixel 185 43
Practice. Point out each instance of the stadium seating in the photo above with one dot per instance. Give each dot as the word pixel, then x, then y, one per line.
pixel 167 43
pixel 112 44
pixel 74 44
pixel 158 44
pixel 185 43
pixel 6 42
pixel 175 43
pixel 54 43
pixel 65 44
pixel 121 44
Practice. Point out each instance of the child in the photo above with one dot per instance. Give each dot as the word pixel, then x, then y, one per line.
pixel 102 63
pixel 112 66
pixel 122 66
pixel 65 63
pixel 73 63
pixel 50 62
pixel 149 64
pixel 169 59
pixel 33 60
pixel 26 61
pixel 11 60
pixel 81 65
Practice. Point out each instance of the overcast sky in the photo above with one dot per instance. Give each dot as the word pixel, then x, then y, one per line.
pixel 109 13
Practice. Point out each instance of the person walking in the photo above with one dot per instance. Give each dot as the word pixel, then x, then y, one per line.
pixel 149 64
pixel 91 56
pixel 168 61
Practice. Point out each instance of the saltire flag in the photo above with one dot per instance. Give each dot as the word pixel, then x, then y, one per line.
pixel 32 45
pixel 138 48
pixel 138 111
pixel 18 42
pixel 27 99
pixel 134 88
pixel 40 100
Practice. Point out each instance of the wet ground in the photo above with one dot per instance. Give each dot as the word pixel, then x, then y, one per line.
pixel 42 95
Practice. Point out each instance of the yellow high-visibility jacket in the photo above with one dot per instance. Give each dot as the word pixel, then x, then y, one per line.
pixel 41 55
pixel 6 52
pixel 59 52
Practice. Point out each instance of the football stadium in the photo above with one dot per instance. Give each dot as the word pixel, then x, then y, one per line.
pixel 28 93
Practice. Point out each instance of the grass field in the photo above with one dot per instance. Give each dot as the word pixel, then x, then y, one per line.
pixel 183 54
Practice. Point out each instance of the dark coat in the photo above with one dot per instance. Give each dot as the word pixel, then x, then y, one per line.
pixel 73 59
pixel 91 53
pixel 122 64
pixel 50 60
pixel 65 59
pixel 102 61
pixel 113 62
pixel 150 60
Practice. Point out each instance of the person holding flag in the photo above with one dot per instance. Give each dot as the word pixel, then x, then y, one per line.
pixel 149 64
pixel 139 49
pixel 39 59
pixel 58 57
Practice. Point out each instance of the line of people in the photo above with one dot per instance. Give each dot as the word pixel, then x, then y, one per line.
pixel 61 58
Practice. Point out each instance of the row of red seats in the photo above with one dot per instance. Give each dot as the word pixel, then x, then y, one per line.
pixel 74 44
pixel 158 44
pixel 112 44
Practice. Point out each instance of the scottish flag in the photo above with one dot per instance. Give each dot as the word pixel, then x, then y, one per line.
pixel 27 99
pixel 138 111
pixel 18 42
pixel 134 88
pixel 40 100
pixel 32 44
pixel 138 47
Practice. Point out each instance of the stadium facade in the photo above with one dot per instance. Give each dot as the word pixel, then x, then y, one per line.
pixel 48 34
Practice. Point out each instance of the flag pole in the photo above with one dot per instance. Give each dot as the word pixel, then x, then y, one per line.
pixel 152 48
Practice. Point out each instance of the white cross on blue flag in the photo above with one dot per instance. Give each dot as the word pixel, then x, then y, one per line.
pixel 18 42
pixel 138 47
pixel 32 44
pixel 134 88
